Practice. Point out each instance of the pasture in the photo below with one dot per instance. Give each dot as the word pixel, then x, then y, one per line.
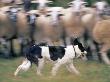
pixel 48 28
pixel 91 71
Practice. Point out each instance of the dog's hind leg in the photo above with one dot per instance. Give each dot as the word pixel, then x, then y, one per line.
pixel 24 66
pixel 17 70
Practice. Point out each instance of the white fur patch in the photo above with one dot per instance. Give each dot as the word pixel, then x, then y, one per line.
pixel 26 65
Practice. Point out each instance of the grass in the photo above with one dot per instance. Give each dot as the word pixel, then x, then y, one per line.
pixel 91 71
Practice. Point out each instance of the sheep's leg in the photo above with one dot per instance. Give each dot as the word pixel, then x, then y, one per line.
pixel 93 49
pixel 40 66
pixel 103 54
pixel 105 58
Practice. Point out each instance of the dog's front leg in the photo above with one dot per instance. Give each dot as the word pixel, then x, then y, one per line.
pixel 73 69
pixel 40 66
pixel 58 64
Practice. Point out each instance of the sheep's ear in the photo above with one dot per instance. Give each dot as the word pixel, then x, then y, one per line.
pixel 50 2
pixel 48 15
pixel 93 6
pixel 37 15
pixel 61 14
pixel 85 3
pixel 7 11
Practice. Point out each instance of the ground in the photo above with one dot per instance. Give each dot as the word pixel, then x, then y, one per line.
pixel 91 71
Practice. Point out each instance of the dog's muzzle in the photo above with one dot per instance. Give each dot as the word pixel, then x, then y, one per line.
pixel 83 54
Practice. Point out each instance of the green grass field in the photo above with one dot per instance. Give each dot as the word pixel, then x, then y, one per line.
pixel 90 72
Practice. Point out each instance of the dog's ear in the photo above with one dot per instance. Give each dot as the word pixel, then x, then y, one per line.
pixel 74 41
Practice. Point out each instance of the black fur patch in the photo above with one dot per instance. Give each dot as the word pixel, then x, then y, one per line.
pixel 76 42
pixel 56 52
pixel 33 53
pixel 81 47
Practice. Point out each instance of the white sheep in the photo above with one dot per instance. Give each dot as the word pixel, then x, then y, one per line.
pixel 48 26
pixel 42 4
pixel 72 19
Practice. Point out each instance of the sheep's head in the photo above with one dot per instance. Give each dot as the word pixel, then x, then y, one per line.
pixel 32 15
pixel 12 12
pixel 77 5
pixel 42 3
pixel 100 6
pixel 55 13
pixel 14 9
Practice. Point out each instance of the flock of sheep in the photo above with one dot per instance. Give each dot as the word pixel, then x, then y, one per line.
pixel 57 25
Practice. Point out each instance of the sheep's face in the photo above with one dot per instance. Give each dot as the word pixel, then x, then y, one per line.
pixel 100 6
pixel 54 13
pixel 43 3
pixel 77 5
pixel 13 11
pixel 31 16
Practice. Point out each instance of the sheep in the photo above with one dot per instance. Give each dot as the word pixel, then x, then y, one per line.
pixel 101 34
pixel 92 16
pixel 78 5
pixel 76 28
pixel 5 26
pixel 100 6
pixel 18 20
pixel 6 1
pixel 72 19
pixel 42 4
pixel 48 26
pixel 7 31
pixel 14 24
pixel 25 23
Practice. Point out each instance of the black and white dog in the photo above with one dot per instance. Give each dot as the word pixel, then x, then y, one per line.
pixel 61 55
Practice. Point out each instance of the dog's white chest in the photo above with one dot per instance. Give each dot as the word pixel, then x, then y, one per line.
pixel 69 52
pixel 45 52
